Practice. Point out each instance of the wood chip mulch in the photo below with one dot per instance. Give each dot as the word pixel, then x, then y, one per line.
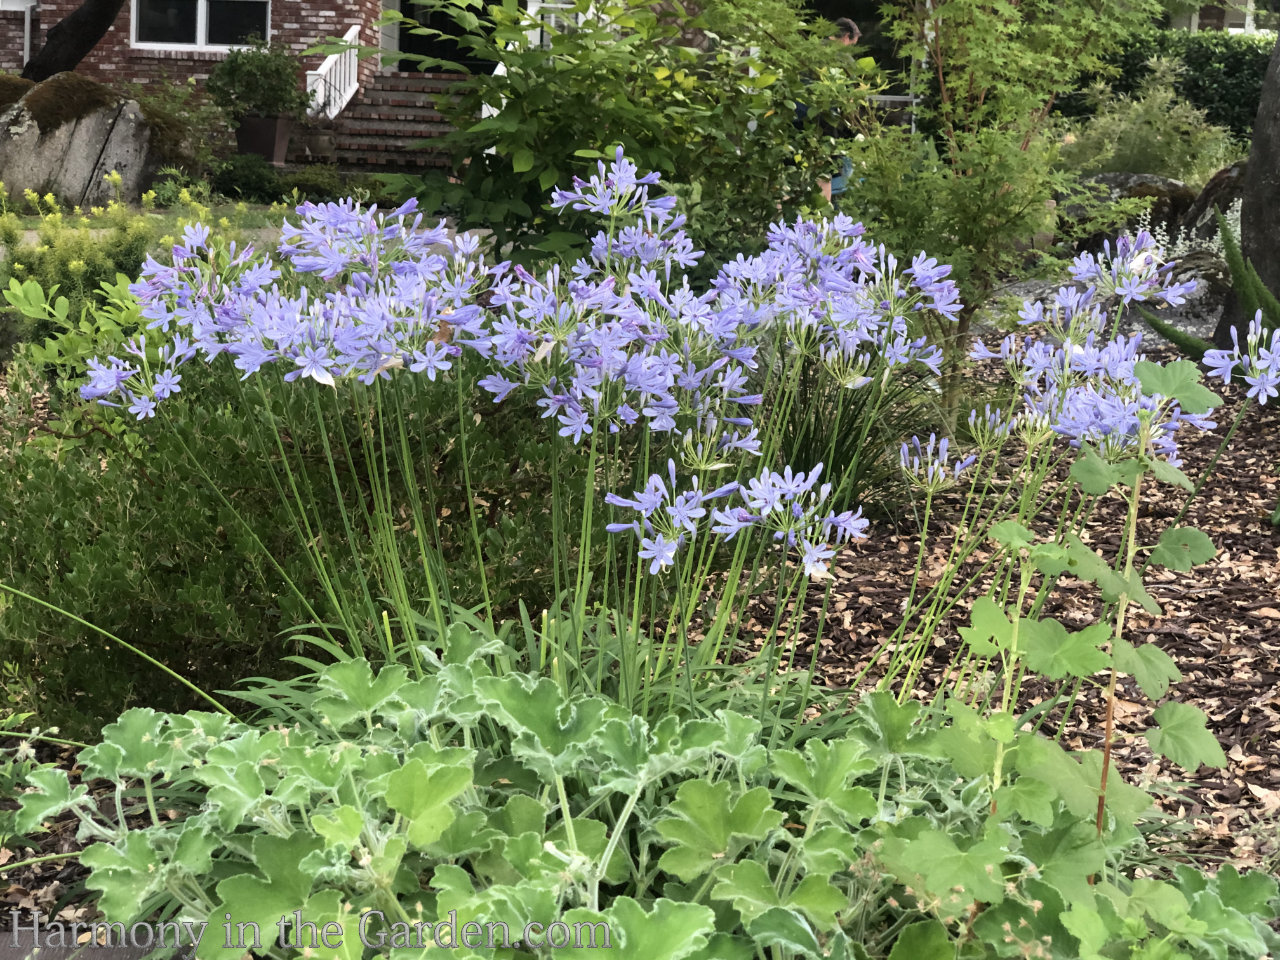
pixel 1220 622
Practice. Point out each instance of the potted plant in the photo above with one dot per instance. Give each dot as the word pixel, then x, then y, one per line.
pixel 258 88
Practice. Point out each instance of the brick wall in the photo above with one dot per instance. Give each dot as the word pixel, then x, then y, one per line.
pixel 299 23
pixel 11 27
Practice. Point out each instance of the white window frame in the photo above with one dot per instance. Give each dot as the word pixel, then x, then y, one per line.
pixel 202 30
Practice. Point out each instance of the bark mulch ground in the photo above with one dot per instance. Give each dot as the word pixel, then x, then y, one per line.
pixel 1220 622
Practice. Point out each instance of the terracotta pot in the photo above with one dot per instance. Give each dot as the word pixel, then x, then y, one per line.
pixel 320 146
pixel 267 137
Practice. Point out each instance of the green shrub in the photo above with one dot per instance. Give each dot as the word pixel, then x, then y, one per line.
pixel 1153 132
pixel 259 80
pixel 1222 76
pixel 188 129
pixel 323 183
pixel 718 121
pixel 248 177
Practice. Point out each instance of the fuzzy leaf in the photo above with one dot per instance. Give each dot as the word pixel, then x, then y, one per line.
pixel 1056 653
pixel 1150 666
pixel 786 929
pixel 991 631
pixel 706 822
pixel 1178 381
pixel 52 796
pixel 748 887
pixel 671 931
pixel 924 940
pixel 822 775
pixel 423 795
pixel 1183 737
pixel 1181 548
pixel 125 874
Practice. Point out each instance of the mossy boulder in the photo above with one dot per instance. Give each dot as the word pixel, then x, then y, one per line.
pixel 65 135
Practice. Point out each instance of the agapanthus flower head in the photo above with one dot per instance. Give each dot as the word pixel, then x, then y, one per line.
pixel 929 465
pixel 1258 361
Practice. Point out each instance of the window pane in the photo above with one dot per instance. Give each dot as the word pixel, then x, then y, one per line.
pixel 235 21
pixel 166 21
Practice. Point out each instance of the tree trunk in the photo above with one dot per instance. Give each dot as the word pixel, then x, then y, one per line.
pixel 1260 213
pixel 71 38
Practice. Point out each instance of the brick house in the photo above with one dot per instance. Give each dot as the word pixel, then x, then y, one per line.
pixel 379 110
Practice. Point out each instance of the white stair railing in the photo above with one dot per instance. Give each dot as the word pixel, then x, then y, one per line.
pixel 336 80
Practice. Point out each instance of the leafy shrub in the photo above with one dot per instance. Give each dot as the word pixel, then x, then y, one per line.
pixel 719 119
pixel 1222 73
pixel 187 128
pixel 248 177
pixel 174 187
pixel 259 80
pixel 1151 132
pixel 321 183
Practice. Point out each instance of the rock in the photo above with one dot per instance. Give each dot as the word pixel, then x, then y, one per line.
pixel 1223 189
pixel 65 135
pixel 1172 198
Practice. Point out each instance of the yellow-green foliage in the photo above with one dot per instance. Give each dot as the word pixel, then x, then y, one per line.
pixel 76 250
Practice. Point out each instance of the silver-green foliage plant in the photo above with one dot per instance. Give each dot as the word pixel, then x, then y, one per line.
pixel 1154 131
pixel 382 803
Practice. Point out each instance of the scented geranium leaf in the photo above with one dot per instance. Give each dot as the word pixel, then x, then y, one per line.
pixel 139 733
pixel 1011 534
pixel 1182 548
pixel 324 908
pixel 1151 667
pixel 1166 472
pixel 1183 737
pixel 949 871
pixel 991 631
pixel 1049 558
pixel 925 940
pixel 554 735
pixel 747 886
pixel 53 795
pixel 282 887
pixel 1054 652
pixel 670 931
pixel 634 755
pixel 1042 759
pixel 234 792
pixel 1125 802
pixel 786 929
pixel 1228 926
pixel 1032 800
pixel 707 824
pixel 966 742
pixel 1034 917
pixel 125 874
pixel 1180 381
pixel 739 742
pixel 827 850
pixel 1094 475
pixel 1250 892
pixel 352 691
pixel 1092 927
pixel 888 728
pixel 1067 856
pixel 424 795
pixel 339 829
pixel 822 774
pixel 1164 904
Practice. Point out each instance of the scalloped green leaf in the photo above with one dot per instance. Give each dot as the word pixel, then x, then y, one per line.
pixel 1183 737
pixel 1182 548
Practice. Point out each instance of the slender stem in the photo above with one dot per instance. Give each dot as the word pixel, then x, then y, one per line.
pixel 114 639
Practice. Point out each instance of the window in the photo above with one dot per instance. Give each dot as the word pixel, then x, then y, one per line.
pixel 199 23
